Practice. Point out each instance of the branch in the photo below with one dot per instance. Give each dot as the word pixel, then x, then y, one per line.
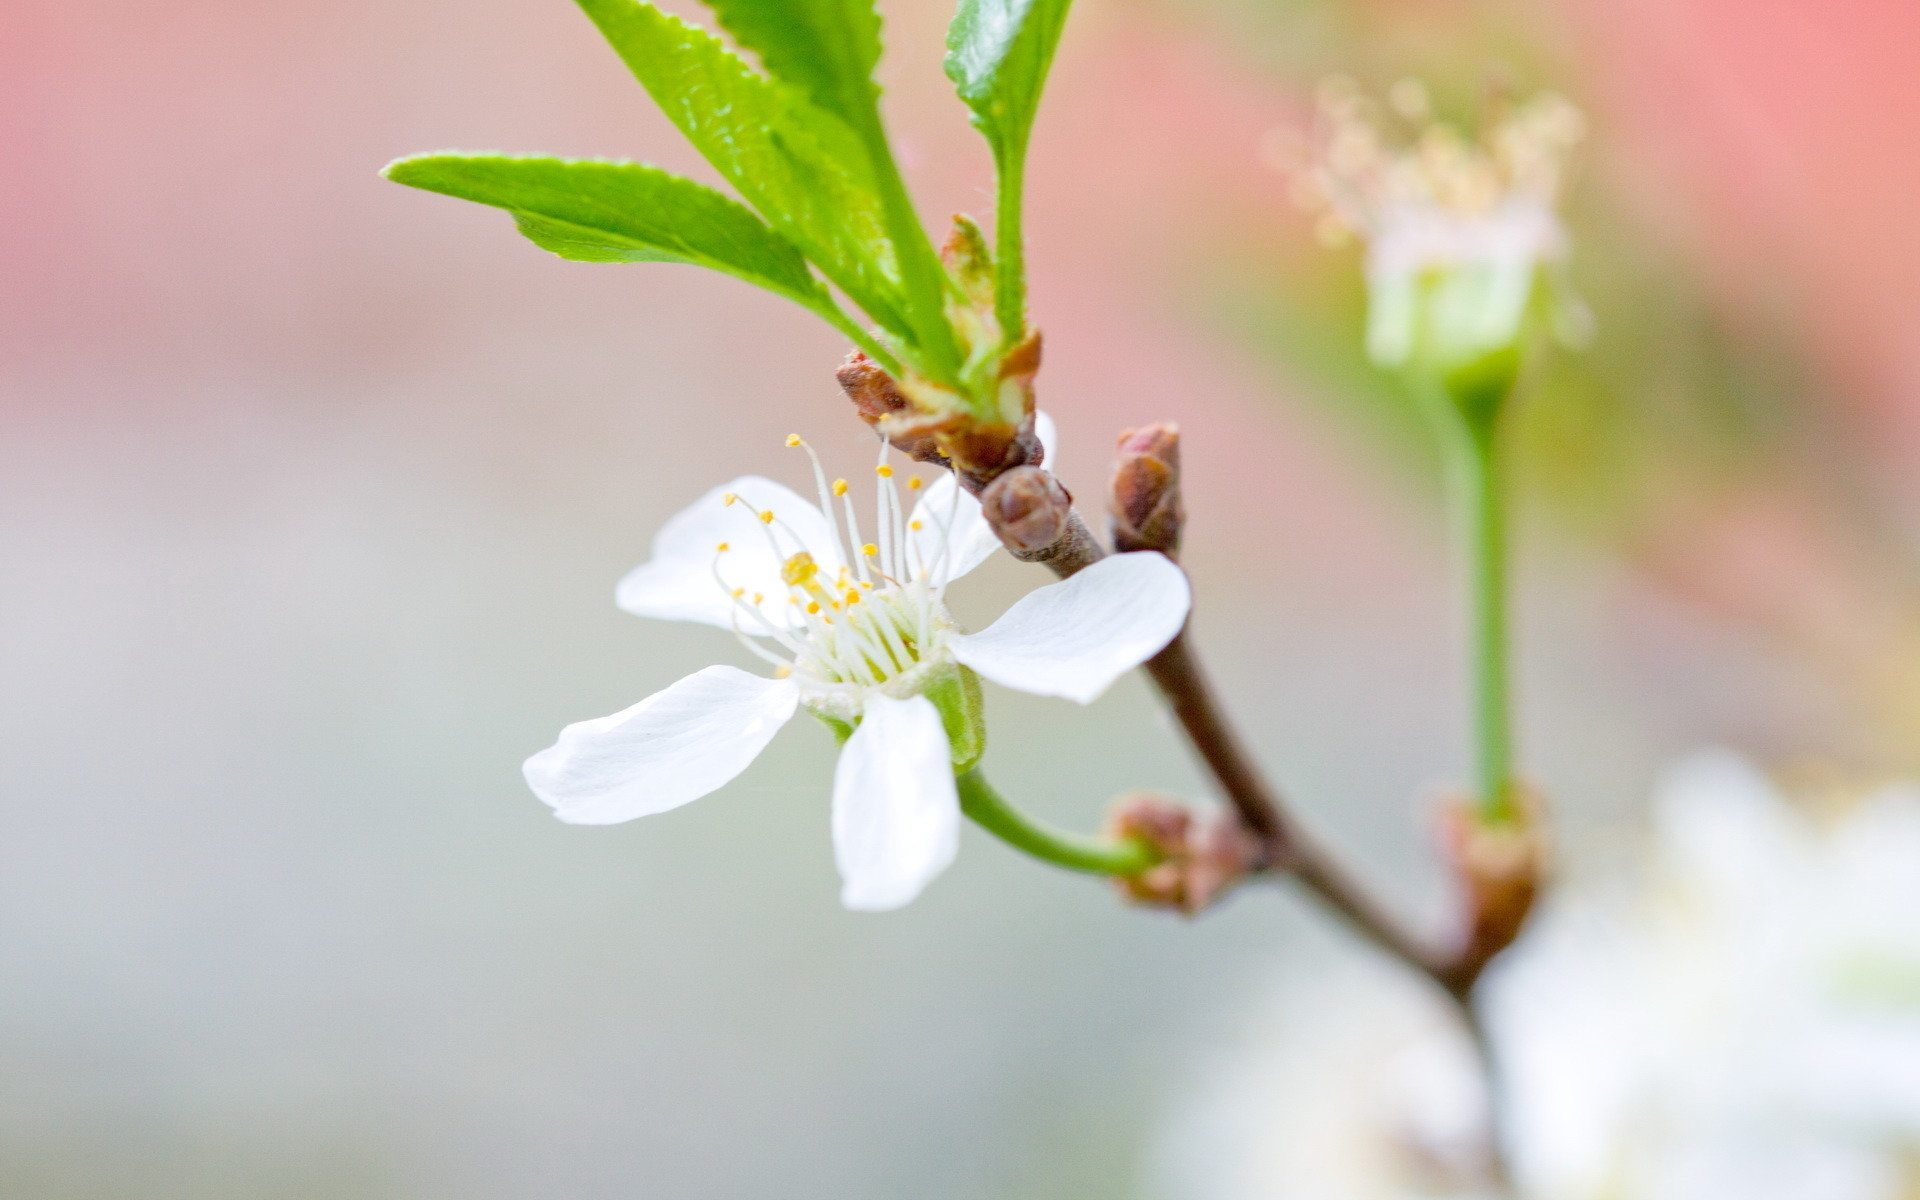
pixel 1031 510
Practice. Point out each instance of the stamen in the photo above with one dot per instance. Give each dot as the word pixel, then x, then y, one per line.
pixel 820 484
pixel 853 527
pixel 782 668
pixel 722 548
pixel 916 483
pixel 766 516
pixel 769 629
pixel 891 536
pixel 869 549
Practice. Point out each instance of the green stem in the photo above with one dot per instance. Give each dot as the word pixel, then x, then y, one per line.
pixel 1009 252
pixel 1478 465
pixel 920 269
pixel 992 813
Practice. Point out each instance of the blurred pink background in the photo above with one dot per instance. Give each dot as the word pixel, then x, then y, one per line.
pixel 313 490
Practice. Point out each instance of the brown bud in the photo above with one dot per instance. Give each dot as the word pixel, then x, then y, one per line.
pixel 982 448
pixel 878 399
pixel 1144 500
pixel 1163 825
pixel 1200 858
pixel 1028 507
pixel 1499 868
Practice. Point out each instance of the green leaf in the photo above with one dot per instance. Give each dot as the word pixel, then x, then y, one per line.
pixel 826 48
pixel 592 210
pixel 799 164
pixel 998 52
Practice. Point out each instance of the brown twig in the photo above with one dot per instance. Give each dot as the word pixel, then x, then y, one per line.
pixel 1287 849
pixel 1498 871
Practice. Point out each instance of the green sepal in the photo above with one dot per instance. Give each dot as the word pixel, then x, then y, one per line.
pixel 1478 388
pixel 955 691
pixel 842 730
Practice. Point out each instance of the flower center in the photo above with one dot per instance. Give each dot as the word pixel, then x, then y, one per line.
pixel 857 614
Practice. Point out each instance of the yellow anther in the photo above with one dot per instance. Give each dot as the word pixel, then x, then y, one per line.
pixel 766 517
pixel 793 439
pixel 729 498
pixel 869 549
pixel 721 548
pixel 884 471
pixel 739 592
pixel 782 672
pixel 915 526
pixel 799 570
pixel 867 584
pixel 916 483
pixel 839 487
pixel 853 597
pixel 758 597
pixel 813 606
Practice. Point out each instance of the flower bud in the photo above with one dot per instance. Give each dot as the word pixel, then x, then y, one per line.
pixel 878 399
pixel 1499 869
pixel 1144 499
pixel 931 424
pixel 1029 508
pixel 1200 858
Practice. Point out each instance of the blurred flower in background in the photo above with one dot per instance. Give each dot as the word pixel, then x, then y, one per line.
pixel 1740 1022
pixel 1456 231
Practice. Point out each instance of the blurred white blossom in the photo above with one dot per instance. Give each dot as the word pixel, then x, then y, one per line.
pixel 1741 1022
pixel 1457 232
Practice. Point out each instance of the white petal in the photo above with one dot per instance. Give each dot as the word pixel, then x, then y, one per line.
pixel 950 518
pixel 1075 637
pixel 1049 439
pixel 678 584
pixel 675 746
pixel 896 814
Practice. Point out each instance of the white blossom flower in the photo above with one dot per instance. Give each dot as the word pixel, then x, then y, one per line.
pixel 1741 1023
pixel 1456 232
pixel 858 632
